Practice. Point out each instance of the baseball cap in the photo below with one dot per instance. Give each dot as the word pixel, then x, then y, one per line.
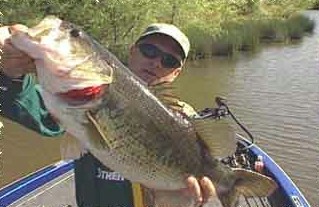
pixel 171 31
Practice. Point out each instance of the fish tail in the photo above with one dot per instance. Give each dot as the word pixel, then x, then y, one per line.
pixel 248 184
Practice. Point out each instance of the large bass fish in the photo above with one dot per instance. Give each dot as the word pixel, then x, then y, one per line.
pixel 132 131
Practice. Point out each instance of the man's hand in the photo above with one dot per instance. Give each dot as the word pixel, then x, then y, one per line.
pixel 14 63
pixel 201 190
pixel 197 193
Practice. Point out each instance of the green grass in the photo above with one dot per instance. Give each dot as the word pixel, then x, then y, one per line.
pixel 248 36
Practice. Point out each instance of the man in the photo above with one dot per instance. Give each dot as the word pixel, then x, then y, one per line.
pixel 157 56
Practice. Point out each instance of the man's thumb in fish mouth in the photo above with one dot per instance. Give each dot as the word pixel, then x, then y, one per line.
pixel 22 41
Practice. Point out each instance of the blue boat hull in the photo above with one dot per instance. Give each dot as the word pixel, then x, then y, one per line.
pixel 288 194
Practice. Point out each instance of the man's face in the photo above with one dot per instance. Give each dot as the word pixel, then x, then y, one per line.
pixel 156 59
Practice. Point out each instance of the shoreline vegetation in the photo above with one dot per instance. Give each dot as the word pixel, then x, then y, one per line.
pixel 315 5
pixel 215 28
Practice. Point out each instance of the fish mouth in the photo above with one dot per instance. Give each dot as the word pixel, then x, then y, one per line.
pixel 47 25
pixel 76 97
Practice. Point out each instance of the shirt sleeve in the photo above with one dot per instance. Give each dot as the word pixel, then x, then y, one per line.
pixel 21 101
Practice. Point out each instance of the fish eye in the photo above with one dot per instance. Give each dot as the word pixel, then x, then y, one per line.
pixel 75 33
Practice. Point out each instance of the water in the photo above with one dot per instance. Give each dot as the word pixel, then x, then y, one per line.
pixel 24 151
pixel 275 93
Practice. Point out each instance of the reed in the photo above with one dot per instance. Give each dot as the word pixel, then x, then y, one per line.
pixel 214 28
pixel 250 35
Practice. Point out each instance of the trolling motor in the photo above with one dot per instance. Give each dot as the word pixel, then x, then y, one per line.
pixel 241 157
pixel 222 111
pixel 214 113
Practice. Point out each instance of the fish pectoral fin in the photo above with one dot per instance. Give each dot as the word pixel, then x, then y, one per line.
pixel 218 136
pixel 97 134
pixel 250 183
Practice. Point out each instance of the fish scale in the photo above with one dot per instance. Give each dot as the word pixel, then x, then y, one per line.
pixel 137 130
pixel 152 151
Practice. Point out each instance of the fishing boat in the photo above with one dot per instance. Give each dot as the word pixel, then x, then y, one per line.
pixel 54 185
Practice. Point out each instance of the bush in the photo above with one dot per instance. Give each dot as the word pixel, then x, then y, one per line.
pixel 213 27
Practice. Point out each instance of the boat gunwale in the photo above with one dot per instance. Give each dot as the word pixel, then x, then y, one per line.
pixel 293 193
pixel 22 187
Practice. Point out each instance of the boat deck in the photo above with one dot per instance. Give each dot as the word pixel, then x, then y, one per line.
pixel 59 192
pixel 53 186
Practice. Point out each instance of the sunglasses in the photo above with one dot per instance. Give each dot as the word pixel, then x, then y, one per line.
pixel 151 51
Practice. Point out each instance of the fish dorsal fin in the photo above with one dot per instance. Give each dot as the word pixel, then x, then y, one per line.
pixel 164 92
pixel 217 135
pixel 250 183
